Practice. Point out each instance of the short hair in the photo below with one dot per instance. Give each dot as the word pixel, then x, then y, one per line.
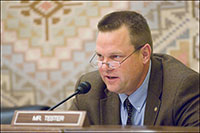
pixel 140 33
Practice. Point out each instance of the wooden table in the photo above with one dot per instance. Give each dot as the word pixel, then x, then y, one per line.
pixel 118 128
pixel 100 128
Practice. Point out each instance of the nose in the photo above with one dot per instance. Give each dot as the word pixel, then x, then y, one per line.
pixel 105 66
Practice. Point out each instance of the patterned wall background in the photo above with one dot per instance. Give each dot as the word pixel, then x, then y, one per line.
pixel 46 46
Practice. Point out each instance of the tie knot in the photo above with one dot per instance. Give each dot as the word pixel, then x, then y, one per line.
pixel 128 105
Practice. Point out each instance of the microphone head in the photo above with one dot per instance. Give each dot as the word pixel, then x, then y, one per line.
pixel 83 87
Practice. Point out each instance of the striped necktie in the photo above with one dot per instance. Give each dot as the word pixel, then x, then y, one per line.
pixel 129 108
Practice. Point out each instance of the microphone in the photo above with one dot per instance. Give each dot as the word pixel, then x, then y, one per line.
pixel 83 88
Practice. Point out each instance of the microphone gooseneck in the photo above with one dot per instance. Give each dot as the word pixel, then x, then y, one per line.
pixel 83 88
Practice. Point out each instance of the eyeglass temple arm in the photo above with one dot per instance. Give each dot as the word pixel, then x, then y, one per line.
pixel 132 53
pixel 92 57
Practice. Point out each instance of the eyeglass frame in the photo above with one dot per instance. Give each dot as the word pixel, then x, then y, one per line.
pixel 119 62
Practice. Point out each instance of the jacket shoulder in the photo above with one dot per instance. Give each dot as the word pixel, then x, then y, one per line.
pixel 173 67
pixel 97 84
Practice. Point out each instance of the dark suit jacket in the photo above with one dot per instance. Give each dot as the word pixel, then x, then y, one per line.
pixel 173 90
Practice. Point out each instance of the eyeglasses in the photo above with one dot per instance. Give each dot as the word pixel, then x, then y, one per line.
pixel 111 64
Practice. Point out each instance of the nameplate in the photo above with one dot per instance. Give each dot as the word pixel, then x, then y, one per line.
pixel 50 118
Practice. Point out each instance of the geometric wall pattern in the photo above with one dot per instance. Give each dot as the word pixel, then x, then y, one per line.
pixel 46 45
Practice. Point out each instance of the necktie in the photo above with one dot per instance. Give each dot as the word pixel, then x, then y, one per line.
pixel 129 108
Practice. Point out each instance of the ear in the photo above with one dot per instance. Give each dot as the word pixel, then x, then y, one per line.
pixel 146 53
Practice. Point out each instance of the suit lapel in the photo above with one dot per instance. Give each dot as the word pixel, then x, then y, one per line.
pixel 109 109
pixel 154 92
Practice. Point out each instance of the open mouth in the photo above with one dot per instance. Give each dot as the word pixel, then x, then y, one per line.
pixel 111 77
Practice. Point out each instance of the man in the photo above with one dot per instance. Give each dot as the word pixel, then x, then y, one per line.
pixel 133 86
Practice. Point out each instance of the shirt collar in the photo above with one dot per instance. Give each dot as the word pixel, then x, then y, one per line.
pixel 138 98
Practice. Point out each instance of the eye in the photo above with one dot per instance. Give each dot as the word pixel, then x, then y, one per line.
pixel 116 57
pixel 99 57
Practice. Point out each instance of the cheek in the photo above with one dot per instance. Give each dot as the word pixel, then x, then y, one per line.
pixel 126 71
pixel 100 71
pixel 131 69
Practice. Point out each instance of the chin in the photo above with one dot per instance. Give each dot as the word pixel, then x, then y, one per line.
pixel 113 89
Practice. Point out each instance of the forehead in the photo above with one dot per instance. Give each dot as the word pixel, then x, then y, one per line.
pixel 114 41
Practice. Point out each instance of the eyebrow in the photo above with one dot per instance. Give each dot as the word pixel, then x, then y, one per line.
pixel 112 53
